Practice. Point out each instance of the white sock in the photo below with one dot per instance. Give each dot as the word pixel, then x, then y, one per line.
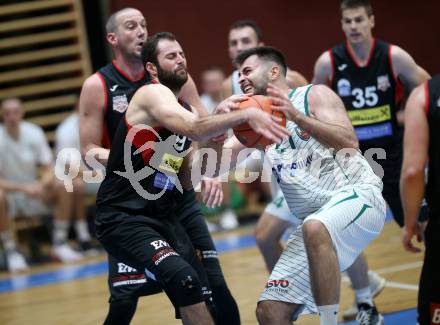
pixel 328 314
pixel 82 231
pixel 60 231
pixel 364 296
pixel 8 241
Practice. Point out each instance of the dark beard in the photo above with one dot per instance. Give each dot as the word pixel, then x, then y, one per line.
pixel 171 80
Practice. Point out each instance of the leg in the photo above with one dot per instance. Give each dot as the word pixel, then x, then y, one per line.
pixel 275 312
pixel 358 273
pixel 195 227
pixel 124 294
pixel 14 259
pixel 268 233
pixel 152 248
pixel 323 263
pixel 121 311
pixel 196 314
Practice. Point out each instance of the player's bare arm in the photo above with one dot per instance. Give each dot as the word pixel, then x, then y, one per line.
pixel 412 180
pixel 91 106
pixel 328 121
pixel 160 104
pixel 406 69
pixel 322 72
pixel 295 79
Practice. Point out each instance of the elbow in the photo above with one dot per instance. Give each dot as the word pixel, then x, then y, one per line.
pixel 412 173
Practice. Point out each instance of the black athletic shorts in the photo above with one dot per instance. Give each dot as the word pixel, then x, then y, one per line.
pixel 127 282
pixel 159 247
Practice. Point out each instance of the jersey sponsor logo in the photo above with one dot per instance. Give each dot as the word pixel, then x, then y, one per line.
pixel 277 283
pixel 434 309
pixel 124 268
pixel 158 244
pixel 374 131
pixel 383 82
pixel 163 254
pixel 342 67
pixel 171 163
pixel 344 88
pixel 120 103
pixel 370 115
pixel 303 135
pixel 113 88
pixel 165 182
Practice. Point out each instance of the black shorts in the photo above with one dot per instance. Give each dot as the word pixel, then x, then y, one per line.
pixel 127 282
pixel 428 306
pixel 160 248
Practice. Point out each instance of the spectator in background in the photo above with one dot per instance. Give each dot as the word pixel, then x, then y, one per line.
pixel 66 148
pixel 24 148
pixel 212 80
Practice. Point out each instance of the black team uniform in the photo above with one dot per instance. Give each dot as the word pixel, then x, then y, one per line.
pixel 127 283
pixel 429 287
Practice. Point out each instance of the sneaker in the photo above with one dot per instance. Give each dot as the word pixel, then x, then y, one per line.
pixel 66 254
pixel 368 315
pixel 16 262
pixel 377 284
pixel 228 220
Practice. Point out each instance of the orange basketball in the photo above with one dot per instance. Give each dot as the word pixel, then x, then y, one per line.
pixel 245 134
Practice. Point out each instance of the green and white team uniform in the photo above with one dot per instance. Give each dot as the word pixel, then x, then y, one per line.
pixel 278 206
pixel 338 189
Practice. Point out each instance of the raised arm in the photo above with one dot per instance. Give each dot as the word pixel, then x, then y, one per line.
pixel 163 109
pixel 412 179
pixel 322 73
pixel 406 69
pixel 91 107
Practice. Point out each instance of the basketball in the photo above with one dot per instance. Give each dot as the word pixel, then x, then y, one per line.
pixel 245 134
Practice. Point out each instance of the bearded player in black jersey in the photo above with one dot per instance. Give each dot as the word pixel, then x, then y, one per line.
pixel 104 100
pixel 422 125
pixel 136 220
pixel 369 75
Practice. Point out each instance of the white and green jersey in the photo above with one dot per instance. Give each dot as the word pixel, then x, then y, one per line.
pixel 308 172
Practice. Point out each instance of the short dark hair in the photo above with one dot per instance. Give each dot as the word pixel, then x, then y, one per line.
pixel 353 4
pixel 149 50
pixel 111 26
pixel 267 53
pixel 248 23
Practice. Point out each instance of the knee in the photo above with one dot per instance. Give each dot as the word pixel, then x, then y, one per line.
pixel 262 237
pixel 315 233
pixel 185 287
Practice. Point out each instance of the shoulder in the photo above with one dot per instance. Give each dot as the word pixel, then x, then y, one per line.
pixel 323 68
pixel 94 83
pixel 31 130
pixel 321 94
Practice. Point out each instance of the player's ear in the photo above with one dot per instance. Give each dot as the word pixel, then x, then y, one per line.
pixel 372 21
pixel 111 38
pixel 151 68
pixel 274 73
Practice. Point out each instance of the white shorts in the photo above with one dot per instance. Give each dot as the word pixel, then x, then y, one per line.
pixel 353 217
pixel 278 208
pixel 19 204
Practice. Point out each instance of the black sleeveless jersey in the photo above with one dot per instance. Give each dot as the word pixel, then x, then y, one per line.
pixel 432 100
pixel 371 94
pixel 142 171
pixel 119 89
